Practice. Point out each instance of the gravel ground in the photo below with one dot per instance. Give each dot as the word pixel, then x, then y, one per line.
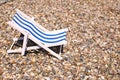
pixel 93 49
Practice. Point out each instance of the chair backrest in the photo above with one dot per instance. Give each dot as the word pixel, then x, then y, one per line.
pixel 44 37
pixel 31 19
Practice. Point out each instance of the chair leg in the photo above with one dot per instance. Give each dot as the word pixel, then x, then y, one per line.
pixel 53 53
pixel 61 49
pixel 50 51
pixel 24 44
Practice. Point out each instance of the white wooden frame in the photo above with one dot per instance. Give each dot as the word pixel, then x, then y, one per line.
pixel 27 36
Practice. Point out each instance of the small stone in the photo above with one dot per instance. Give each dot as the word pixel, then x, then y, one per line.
pixel 1 78
pixel 1 71
pixel 46 78
pixel 111 30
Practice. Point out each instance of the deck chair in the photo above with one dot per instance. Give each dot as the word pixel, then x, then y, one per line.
pixel 38 34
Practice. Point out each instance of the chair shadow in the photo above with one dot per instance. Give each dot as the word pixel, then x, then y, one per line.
pixel 56 49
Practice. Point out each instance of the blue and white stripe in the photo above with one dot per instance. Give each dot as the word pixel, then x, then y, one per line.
pixel 37 33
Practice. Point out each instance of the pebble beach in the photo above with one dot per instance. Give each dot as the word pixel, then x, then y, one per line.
pixel 93 40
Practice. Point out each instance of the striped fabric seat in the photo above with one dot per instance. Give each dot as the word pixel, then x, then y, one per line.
pixel 44 37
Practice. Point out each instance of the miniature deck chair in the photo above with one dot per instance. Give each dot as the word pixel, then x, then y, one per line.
pixel 38 34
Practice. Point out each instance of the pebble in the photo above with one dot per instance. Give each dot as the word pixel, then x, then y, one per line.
pixel 1 71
